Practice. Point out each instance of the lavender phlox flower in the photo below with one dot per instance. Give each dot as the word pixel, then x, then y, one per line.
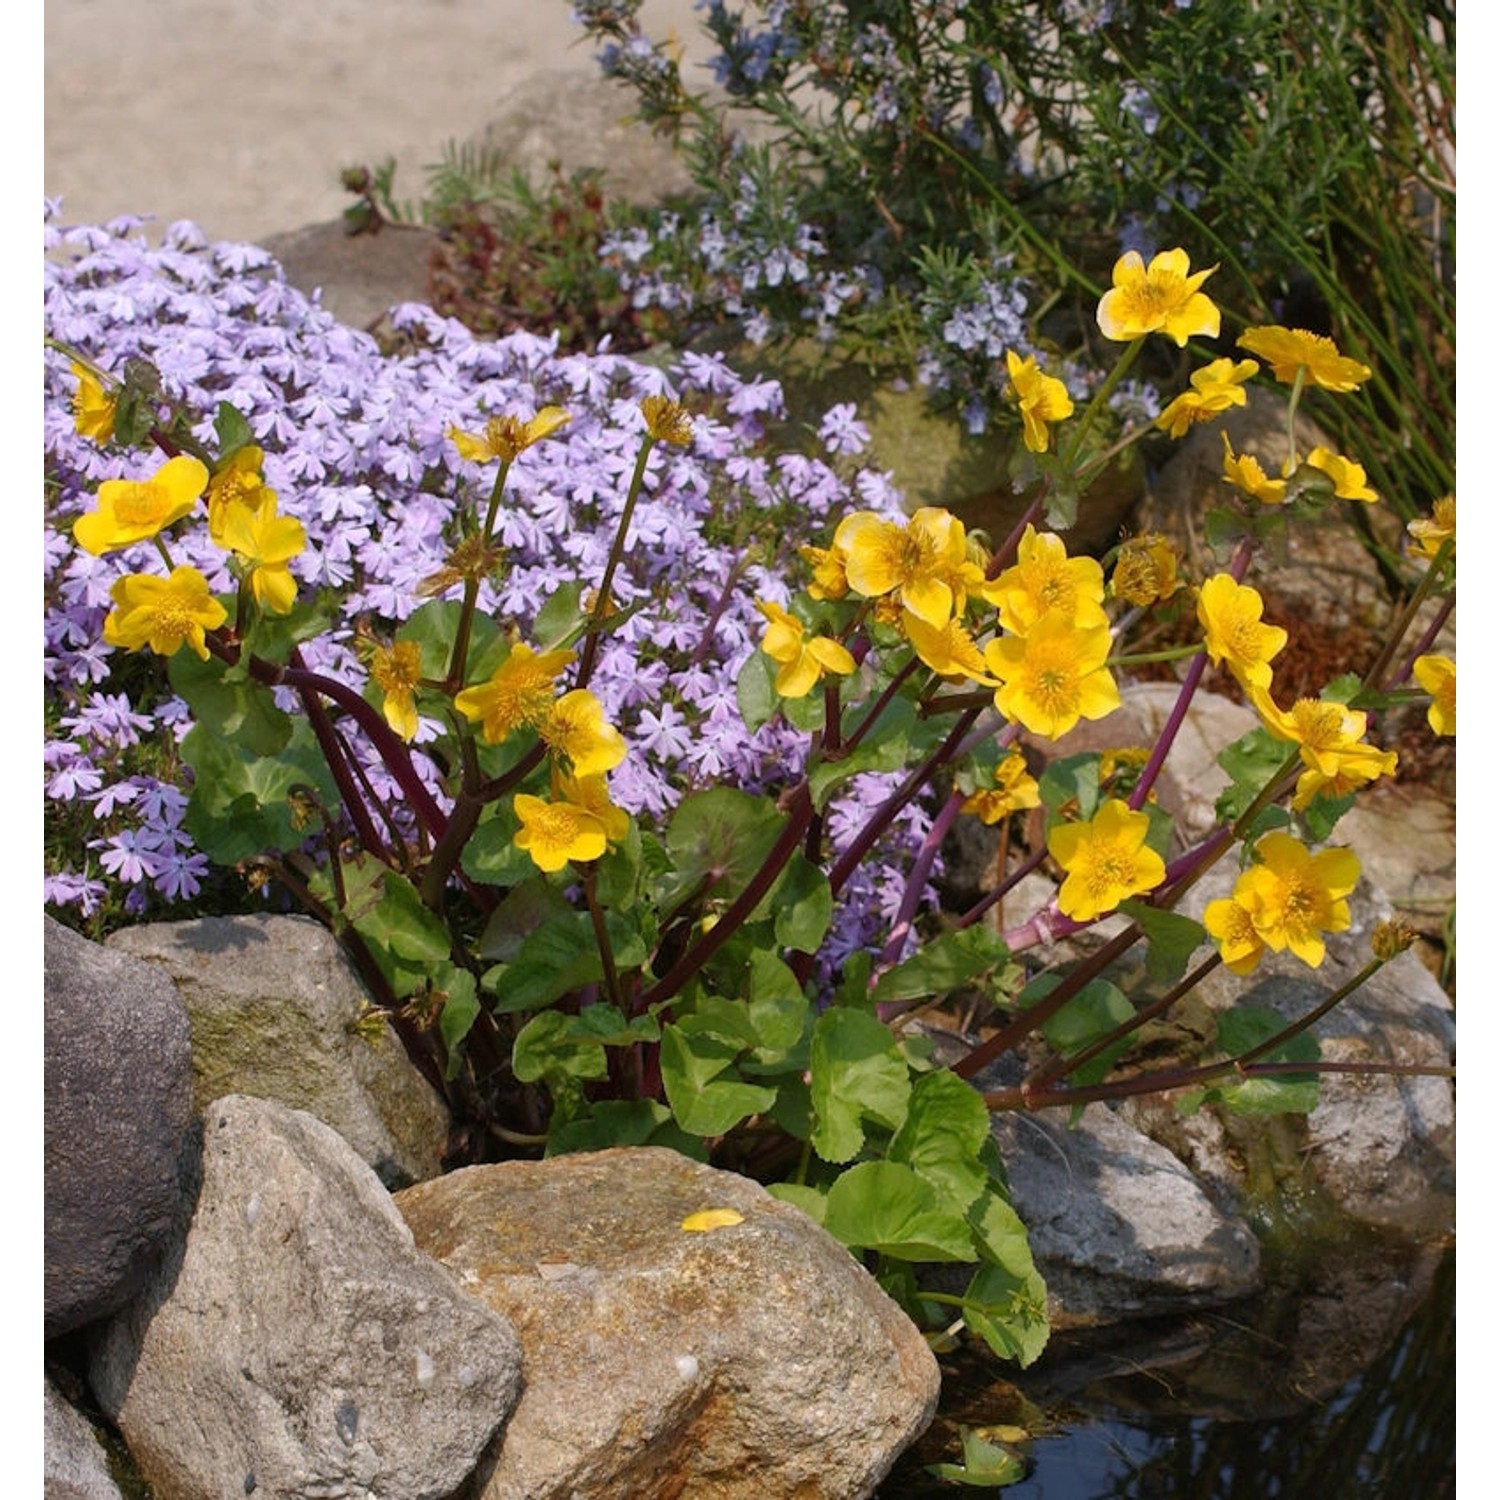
pixel 842 432
pixel 130 855
pixel 69 888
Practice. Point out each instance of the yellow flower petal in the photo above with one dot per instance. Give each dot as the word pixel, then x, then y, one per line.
pixel 712 1218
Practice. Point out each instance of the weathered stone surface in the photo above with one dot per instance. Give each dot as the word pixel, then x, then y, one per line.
pixel 118 1099
pixel 271 1000
pixel 1119 1228
pixel 295 1342
pixel 74 1464
pixel 1380 1146
pixel 360 276
pixel 755 1360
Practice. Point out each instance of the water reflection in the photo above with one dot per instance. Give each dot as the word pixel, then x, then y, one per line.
pixel 1182 1425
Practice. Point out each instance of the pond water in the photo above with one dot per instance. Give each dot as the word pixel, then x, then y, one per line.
pixel 1221 1406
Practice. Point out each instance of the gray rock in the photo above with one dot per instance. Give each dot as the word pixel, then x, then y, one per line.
pixel 272 1002
pixel 1119 1227
pixel 118 1100
pixel 295 1342
pixel 360 276
pixel 74 1464
pixel 754 1360
pixel 1380 1146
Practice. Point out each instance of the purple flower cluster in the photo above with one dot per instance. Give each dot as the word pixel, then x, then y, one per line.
pixel 356 448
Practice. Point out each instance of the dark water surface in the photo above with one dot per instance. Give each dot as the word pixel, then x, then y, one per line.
pixel 1187 1412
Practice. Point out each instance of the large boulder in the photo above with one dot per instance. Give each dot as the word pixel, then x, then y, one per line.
pixel 295 1342
pixel 117 1104
pixel 756 1359
pixel 273 1005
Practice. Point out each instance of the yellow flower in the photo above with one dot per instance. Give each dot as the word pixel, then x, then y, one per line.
pixel 666 421
pixel 1232 927
pixel 396 671
pixel 1053 676
pixel 1159 298
pixel 801 661
pixel 1429 535
pixel 237 482
pixel 1293 896
pixel 1106 859
pixel 829 579
pixel 1215 388
pixel 1145 570
pixel 1439 676
pixel 1330 741
pixel 267 542
pixel 163 612
pixel 93 407
pixel 1014 791
pixel 1044 399
pixel 552 833
pixel 134 510
pixel 1348 477
pixel 574 726
pixel 950 650
pixel 519 692
pixel 1045 580
pixel 922 562
pixel 1233 633
pixel 506 437
pixel 592 794
pixel 1288 350
pixel 1245 473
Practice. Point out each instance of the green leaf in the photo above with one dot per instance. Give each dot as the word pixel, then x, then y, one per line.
pixel 857 1074
pixel 985 1463
pixel 885 748
pixel 943 965
pixel 1251 762
pixel 273 637
pixel 945 1129
pixel 1248 1026
pixel 720 838
pixel 227 704
pixel 460 1011
pixel 854 984
pixel 1171 940
pixel 1322 814
pixel 490 855
pixel 560 621
pixel 239 804
pixel 755 691
pixel 885 1206
pixel 812 1201
pixel 1074 778
pixel 1094 1011
pixel 1006 1302
pixel 778 1009
pixel 560 956
pixel 232 431
pixel 434 627
pixel 706 1093
pixel 522 910
pixel 803 904
pixel 550 1049
pixel 623 1122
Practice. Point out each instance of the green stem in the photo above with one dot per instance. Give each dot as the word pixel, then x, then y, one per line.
pixel 616 552
pixel 1096 405
pixel 601 937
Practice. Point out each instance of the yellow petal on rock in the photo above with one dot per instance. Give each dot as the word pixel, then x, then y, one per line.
pixel 713 1218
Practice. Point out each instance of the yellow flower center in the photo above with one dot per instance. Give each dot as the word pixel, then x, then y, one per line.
pixel 172 616
pixel 1318 725
pixel 399 669
pixel 142 504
